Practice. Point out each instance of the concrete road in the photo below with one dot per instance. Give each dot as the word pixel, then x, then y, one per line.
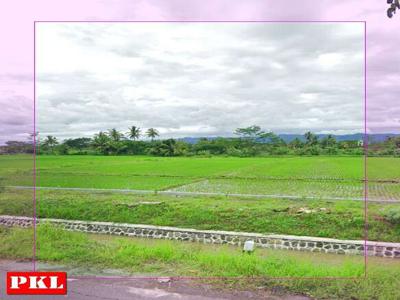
pixel 120 288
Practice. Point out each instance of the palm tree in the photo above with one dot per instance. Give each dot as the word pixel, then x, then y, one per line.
pixel 101 142
pixel 50 142
pixel 115 135
pixel 311 138
pixel 152 133
pixel 134 133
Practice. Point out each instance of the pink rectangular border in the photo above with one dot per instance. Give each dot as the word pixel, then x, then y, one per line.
pixel 365 144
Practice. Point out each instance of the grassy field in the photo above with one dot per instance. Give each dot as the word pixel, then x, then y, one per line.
pixel 316 167
pixel 324 177
pixel 319 177
pixel 270 167
pixel 336 219
pixel 161 258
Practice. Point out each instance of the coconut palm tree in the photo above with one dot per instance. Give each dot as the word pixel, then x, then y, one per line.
pixel 101 142
pixel 152 133
pixel 115 135
pixel 134 133
pixel 311 138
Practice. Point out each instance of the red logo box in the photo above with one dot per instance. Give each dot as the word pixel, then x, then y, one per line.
pixel 36 283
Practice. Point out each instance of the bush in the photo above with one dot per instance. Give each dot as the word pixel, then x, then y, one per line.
pixel 331 150
pixel 280 151
pixel 63 149
pixel 232 151
pixel 205 153
pixel 312 150
pixel 249 151
pixel 393 215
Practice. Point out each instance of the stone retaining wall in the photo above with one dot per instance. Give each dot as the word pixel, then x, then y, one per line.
pixel 300 243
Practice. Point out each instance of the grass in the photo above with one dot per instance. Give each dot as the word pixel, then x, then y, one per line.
pixel 318 167
pixel 161 258
pixel 276 167
pixel 340 219
pixel 344 219
pixel 109 182
pixel 189 259
pixel 295 176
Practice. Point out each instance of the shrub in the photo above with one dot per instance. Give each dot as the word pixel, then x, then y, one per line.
pixel 232 151
pixel 63 149
pixel 393 215
pixel 205 153
pixel 280 151
pixel 331 150
pixel 312 150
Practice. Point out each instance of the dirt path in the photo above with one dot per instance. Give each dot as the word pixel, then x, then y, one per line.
pixel 123 288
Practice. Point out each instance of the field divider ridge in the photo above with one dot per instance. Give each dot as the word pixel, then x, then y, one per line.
pixel 209 194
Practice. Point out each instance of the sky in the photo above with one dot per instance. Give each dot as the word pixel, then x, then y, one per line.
pixel 199 79
pixel 17 44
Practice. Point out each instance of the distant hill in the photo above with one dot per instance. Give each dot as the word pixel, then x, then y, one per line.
pixel 379 137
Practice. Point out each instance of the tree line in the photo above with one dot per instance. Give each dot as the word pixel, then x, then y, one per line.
pixel 248 141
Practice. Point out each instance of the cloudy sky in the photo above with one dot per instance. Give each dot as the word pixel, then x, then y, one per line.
pixel 16 53
pixel 199 79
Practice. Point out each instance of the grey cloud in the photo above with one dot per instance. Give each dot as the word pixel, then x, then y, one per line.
pixel 208 80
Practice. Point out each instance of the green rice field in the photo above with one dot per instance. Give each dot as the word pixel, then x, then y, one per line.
pixel 212 193
pixel 272 195
pixel 316 177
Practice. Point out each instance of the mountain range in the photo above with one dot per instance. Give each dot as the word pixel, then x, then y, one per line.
pixel 287 137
